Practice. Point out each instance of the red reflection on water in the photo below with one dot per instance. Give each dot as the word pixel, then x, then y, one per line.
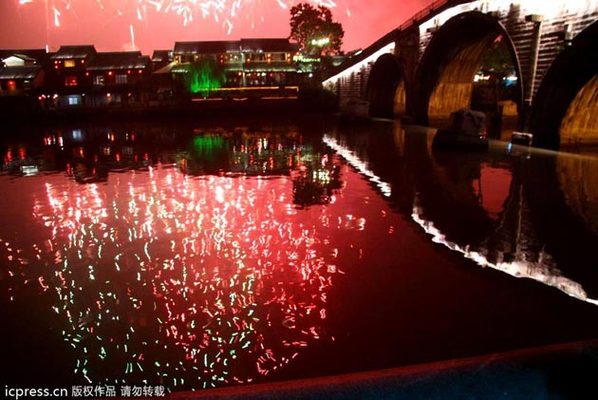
pixel 168 276
pixel 493 189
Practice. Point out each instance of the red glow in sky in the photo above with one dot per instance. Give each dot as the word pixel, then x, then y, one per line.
pixel 114 25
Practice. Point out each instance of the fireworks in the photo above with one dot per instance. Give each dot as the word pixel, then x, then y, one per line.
pixel 223 12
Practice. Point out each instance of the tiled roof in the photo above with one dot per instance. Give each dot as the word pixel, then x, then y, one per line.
pixel 38 55
pixel 215 47
pixel 21 56
pixel 74 52
pixel 208 47
pixel 162 55
pixel 267 45
pixel 167 69
pixel 21 72
pixel 118 60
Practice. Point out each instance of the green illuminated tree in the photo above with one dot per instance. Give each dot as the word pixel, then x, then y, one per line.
pixel 315 31
pixel 204 76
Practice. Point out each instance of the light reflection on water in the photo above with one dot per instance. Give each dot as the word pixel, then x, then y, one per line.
pixel 576 177
pixel 208 258
pixel 543 269
pixel 166 277
pixel 357 163
pixel 214 274
pixel 208 263
pixel 500 234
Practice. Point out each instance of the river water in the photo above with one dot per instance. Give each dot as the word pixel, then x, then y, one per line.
pixel 197 255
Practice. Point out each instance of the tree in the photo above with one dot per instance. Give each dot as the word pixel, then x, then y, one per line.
pixel 497 59
pixel 204 76
pixel 315 31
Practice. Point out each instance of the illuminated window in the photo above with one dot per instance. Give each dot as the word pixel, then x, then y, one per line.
pixel 74 100
pixel 69 63
pixel 77 134
pixel 70 80
pixel 99 80
pixel 121 79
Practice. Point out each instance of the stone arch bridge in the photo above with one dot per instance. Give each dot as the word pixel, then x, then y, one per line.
pixel 425 69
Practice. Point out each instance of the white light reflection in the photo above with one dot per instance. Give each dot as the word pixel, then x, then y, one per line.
pixel 356 162
pixel 520 268
pixel 228 284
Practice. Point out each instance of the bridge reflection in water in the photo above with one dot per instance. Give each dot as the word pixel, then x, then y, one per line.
pixel 197 257
pixel 476 205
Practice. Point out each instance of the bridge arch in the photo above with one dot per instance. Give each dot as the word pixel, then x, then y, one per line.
pixel 446 72
pixel 386 87
pixel 566 105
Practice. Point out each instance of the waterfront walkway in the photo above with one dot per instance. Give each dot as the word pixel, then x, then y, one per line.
pixel 567 371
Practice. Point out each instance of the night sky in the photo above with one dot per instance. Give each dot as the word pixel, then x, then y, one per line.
pixel 114 25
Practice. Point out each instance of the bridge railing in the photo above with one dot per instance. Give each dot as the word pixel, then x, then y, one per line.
pixel 427 11
pixel 414 20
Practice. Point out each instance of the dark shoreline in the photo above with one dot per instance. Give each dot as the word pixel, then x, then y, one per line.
pixel 24 110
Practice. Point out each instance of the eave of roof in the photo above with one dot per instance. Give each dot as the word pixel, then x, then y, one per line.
pixel 74 52
pixel 206 47
pixel 118 61
pixel 20 72
pixel 267 45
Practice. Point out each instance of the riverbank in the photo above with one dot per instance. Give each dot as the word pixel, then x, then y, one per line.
pixel 24 110
pixel 564 371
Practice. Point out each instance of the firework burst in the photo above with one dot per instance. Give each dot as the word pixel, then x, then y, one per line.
pixel 223 12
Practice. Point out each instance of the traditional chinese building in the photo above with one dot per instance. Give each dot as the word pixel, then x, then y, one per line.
pixel 242 63
pixel 268 62
pixel 70 63
pixel 67 81
pixel 161 58
pixel 77 76
pixel 19 80
pixel 117 78
pixel 21 71
pixel 24 57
